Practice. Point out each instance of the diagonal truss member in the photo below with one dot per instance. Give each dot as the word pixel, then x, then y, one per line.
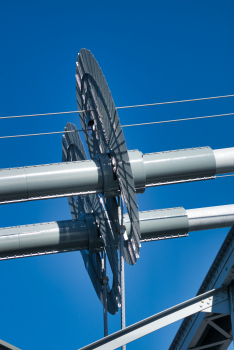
pixel 215 301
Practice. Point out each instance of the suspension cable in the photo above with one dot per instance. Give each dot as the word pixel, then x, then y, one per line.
pixel 123 107
pixel 123 126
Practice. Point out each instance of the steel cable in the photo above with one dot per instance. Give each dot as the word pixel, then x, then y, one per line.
pixel 124 107
pixel 123 126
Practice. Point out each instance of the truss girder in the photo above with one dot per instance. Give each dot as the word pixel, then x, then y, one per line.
pixel 213 301
pixel 204 330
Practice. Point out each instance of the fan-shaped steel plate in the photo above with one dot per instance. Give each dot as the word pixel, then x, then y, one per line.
pixel 103 133
pixel 73 150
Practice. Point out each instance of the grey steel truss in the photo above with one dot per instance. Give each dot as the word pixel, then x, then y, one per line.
pixel 214 301
pixel 6 346
pixel 209 316
pixel 203 331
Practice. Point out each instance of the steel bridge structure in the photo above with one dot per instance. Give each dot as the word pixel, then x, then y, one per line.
pixel 97 190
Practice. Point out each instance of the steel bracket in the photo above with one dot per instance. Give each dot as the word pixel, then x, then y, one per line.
pixel 95 243
pixel 110 184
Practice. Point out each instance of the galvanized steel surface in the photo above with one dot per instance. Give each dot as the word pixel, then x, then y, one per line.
pixel 89 176
pixel 49 180
pixel 179 165
pixel 224 159
pixel 161 224
pixel 211 217
pixel 72 235
pixel 138 169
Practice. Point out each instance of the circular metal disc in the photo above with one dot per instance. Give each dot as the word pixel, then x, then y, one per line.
pixel 73 150
pixel 103 133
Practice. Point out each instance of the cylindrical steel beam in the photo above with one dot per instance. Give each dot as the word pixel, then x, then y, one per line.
pixel 211 217
pixel 46 238
pixel 50 180
pixel 64 179
pixel 63 236
pixel 187 164
pixel 179 165
pixel 224 159
pixel 177 222
pixel 162 224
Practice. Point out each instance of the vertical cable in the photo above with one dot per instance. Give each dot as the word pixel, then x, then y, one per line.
pixel 122 281
pixel 104 286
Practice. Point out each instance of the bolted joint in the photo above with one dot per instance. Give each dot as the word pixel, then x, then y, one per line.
pixel 104 281
pixel 138 170
pixel 122 229
pixel 110 183
pixel 114 164
pixel 95 242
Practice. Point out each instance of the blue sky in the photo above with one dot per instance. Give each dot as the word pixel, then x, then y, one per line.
pixel 149 51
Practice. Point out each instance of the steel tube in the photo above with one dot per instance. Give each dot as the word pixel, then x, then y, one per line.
pixel 71 235
pixel 49 180
pixel 211 217
pixel 179 165
pixel 177 222
pixel 161 224
pixel 50 237
pixel 224 159
pixel 64 179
